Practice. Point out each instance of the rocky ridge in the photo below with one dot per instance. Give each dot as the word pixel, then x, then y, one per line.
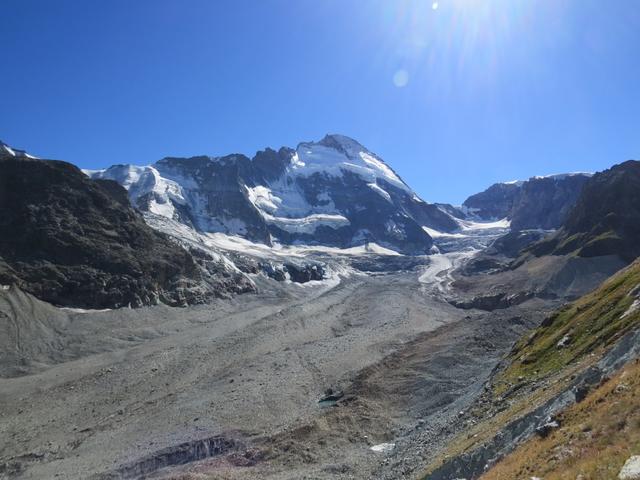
pixel 537 203
pixel 605 219
pixel 77 242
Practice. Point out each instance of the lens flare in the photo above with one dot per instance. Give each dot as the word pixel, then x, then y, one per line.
pixel 454 45
pixel 401 78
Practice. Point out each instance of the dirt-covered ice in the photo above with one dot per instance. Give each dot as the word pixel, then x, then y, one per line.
pixel 231 389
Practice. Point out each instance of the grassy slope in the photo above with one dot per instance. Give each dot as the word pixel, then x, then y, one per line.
pixel 595 439
pixel 600 433
pixel 593 323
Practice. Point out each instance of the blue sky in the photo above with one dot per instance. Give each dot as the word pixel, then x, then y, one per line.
pixel 454 95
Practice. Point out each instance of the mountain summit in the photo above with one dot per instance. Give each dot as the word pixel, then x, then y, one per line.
pixel 7 151
pixel 333 192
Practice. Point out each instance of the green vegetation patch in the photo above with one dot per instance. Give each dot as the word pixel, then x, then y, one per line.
pixel 592 322
pixel 595 438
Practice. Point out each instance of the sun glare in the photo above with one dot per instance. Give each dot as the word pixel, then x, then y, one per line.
pixel 452 42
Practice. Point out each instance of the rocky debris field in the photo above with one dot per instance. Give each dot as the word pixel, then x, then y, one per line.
pixel 232 389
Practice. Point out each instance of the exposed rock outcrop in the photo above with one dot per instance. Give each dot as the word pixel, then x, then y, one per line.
pixel 73 241
pixel 538 203
pixel 605 220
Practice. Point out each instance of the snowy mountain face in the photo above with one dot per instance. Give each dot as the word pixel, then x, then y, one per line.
pixel 537 203
pixel 333 192
pixel 7 151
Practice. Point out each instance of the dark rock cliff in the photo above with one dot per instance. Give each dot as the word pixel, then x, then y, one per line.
pixel 73 241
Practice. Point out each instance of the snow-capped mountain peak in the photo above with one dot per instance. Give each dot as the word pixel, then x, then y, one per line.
pixel 7 151
pixel 335 154
pixel 333 192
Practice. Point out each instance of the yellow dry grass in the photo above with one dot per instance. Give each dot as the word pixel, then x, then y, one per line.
pixel 595 438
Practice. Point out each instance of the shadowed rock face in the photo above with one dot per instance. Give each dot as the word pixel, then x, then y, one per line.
pixel 606 217
pixel 495 202
pixel 511 244
pixel 540 202
pixel 545 202
pixel 77 242
pixel 172 456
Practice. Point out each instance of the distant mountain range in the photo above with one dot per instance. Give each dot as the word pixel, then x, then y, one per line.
pixel 333 192
pixel 66 233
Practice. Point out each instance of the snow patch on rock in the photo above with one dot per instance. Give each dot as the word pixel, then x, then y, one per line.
pixel 146 182
pixel 632 308
pixel 437 234
pixel 383 447
pixel 307 224
pixel 380 191
pixel 336 154
pixel 467 225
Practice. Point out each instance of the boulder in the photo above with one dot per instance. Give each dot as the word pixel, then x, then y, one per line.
pixel 630 469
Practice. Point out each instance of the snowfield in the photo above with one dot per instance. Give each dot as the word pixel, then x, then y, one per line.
pixel 307 224
pixel 220 242
pixel 165 189
pixel 311 158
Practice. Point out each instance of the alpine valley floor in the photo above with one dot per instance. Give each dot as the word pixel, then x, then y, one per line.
pixel 232 389
pixel 327 323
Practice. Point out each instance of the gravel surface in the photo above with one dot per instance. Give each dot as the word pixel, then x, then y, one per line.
pixel 232 388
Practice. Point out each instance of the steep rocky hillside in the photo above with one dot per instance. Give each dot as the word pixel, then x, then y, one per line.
pixel 538 203
pixel 77 242
pixel 595 321
pixel 550 386
pixel 605 220
pixel 594 439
